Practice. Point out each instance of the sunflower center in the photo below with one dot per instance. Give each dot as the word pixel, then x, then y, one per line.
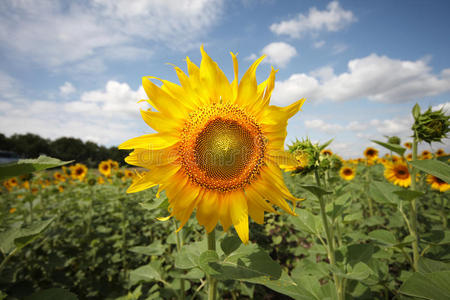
pixel 402 172
pixel 222 147
pixel 348 172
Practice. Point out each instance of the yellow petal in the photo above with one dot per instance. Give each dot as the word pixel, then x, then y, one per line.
pixel 214 79
pixel 224 211
pixel 208 210
pixel 239 215
pixel 161 122
pixel 247 90
pixel 235 83
pixel 154 177
pixel 162 101
pixel 148 158
pixel 283 158
pixel 255 211
pixel 154 141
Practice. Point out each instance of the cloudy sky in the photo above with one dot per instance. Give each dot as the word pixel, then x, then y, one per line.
pixel 74 68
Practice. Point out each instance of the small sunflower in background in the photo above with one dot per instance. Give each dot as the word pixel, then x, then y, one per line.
pixel 409 157
pixel 114 164
pixel 440 152
pixel 397 173
pixel 100 180
pixel 13 182
pixel 371 155
pixel 437 183
pixel 105 168
pixel 347 173
pixel 327 152
pixel 78 171
pixel 128 174
pixel 426 155
pixel 12 210
pixel 408 145
pixel 59 177
pixel 60 188
pixel 218 146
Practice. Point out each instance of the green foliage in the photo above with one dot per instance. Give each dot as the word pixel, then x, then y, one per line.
pixel 433 167
pixel 25 166
pixel 394 147
pixel 431 126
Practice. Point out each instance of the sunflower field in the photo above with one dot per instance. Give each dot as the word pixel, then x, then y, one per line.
pixel 217 208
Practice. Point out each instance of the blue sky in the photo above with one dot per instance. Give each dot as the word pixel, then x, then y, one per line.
pixel 74 69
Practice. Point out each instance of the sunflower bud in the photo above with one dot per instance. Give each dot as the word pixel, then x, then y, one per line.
pixel 431 126
pixel 394 140
pixel 307 154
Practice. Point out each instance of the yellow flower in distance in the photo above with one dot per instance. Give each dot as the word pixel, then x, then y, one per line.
pixel 440 152
pixel 217 148
pixel 327 152
pixel 347 173
pixel 105 168
pixel 426 155
pixel 408 145
pixel 397 173
pixel 437 183
pixel 78 171
pixel 371 153
pixel 12 210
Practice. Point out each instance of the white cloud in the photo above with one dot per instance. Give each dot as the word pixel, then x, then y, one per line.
pixel 398 126
pixel 319 44
pixel 339 48
pixel 106 116
pixel 334 18
pixel 377 78
pixel 444 106
pixel 67 88
pixel 356 126
pixel 278 54
pixel 57 33
pixel 322 126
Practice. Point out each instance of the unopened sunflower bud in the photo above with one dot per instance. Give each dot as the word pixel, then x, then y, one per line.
pixel 394 140
pixel 416 111
pixel 432 126
pixel 306 154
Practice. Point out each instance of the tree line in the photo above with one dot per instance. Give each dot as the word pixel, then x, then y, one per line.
pixel 65 148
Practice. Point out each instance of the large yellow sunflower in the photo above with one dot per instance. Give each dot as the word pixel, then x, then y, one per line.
pixel 347 173
pixel 217 148
pixel 437 183
pixel 397 173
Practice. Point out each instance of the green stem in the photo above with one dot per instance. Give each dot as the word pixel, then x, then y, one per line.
pixel 369 199
pixel 443 213
pixel 212 282
pixel 179 245
pixel 7 258
pixel 330 239
pixel 413 209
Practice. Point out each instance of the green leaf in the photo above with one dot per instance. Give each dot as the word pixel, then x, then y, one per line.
pixel 359 272
pixel 427 265
pixel 383 192
pixel 146 273
pixel 25 166
pixel 323 146
pixel 384 237
pixel 20 237
pixel 434 286
pixel 155 248
pixel 359 253
pixel 316 190
pixel 408 195
pixel 416 111
pixel 434 167
pixel 393 147
pixel 307 222
pixel 52 294
pixel 188 257
pixel 230 243
pixel 208 262
pixel 436 237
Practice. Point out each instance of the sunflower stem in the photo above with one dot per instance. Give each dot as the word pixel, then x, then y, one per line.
pixel 330 240
pixel 212 282
pixel 413 208
pixel 179 245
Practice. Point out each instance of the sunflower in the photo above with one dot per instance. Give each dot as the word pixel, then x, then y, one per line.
pixel 426 155
pixel 58 176
pixel 114 164
pixel 408 145
pixel 302 159
pixel 437 183
pixel 105 168
pixel 409 157
pixel 100 180
pixel 78 171
pixel 440 152
pixel 397 173
pixel 217 148
pixel 327 152
pixel 371 153
pixel 12 210
pixel 347 173
pixel 60 188
pixel 13 182
pixel 129 174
